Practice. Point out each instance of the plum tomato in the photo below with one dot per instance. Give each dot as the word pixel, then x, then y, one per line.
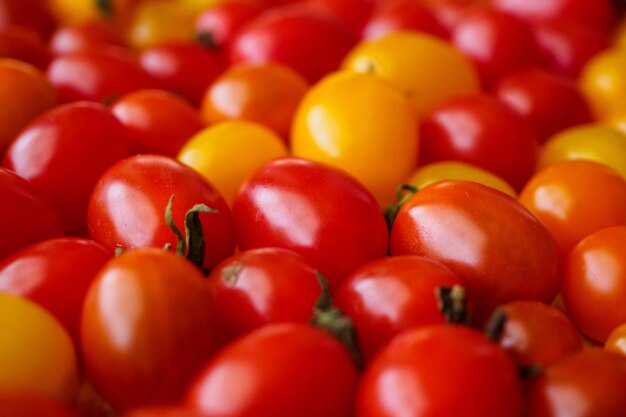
pixel 391 16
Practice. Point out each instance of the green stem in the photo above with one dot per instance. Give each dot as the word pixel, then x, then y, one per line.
pixel 196 245
pixel 452 302
pixel 403 193
pixel 106 9
pixel 180 240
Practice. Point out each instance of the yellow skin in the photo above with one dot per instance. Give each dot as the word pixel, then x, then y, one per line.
pixel 153 23
pixel 603 81
pixel 426 68
pixel 36 353
pixel 362 125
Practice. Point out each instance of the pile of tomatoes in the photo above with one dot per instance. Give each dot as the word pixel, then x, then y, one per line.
pixel 312 208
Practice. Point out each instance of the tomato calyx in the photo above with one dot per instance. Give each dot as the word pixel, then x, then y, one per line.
pixel 206 39
pixel 403 193
pixel 105 7
pixel 452 302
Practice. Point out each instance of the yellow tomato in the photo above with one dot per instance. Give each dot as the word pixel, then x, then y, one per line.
pixel 616 342
pixel 603 81
pixel 455 170
pixel 226 153
pixel 361 124
pixel 158 22
pixel 76 11
pixel 599 143
pixel 36 353
pixel 428 69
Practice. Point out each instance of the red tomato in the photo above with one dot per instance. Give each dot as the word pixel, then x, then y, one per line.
pixel 29 404
pixel 354 13
pixel 396 15
pixel 24 217
pixel 127 207
pixel 497 247
pixel 281 370
pixel 63 153
pixel 25 45
pixel 164 412
pixel 482 131
pixel 32 14
pixel 549 102
pixel 389 295
pixel 222 21
pixel 315 210
pixel 55 273
pixel 442 371
pixel 313 44
pixel 82 37
pixel 148 325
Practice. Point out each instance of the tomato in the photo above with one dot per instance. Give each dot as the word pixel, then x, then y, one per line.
pixel 25 45
pixel 36 354
pixel 56 274
pixel 32 14
pixel 221 22
pixel 164 412
pixel 318 211
pixel 54 155
pixel 280 35
pixel 280 370
pixel 574 199
pixel 616 342
pixel 424 372
pixel 537 334
pixel 228 152
pixel 389 295
pixel 28 404
pixel 354 13
pixel 479 130
pixel 588 383
pixel 427 69
pixel 456 170
pixel 82 37
pixel 157 121
pixel 148 324
pixel 603 82
pixel 157 22
pixel 549 102
pixel 26 93
pixel 402 15
pixel 329 127
pixel 127 207
pixel 498 248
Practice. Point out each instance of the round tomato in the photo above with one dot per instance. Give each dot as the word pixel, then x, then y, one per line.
pixel 164 412
pixel 603 81
pixel 616 342
pixel 23 44
pixel 220 23
pixel 29 404
pixel 157 22
pixel 32 14
pixel 402 15
pixel 82 37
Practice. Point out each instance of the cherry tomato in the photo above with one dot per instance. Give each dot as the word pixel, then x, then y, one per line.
pixel 574 199
pixel 361 124
pixel 389 295
pixel 354 13
pixel 127 207
pixel 280 370
pixel 157 22
pixel 164 412
pixel 157 121
pixel 603 81
pixel 425 372
pixel 616 342
pixel 402 15
pixel 82 37
pixel 318 211
pixel 25 45
pixel 28 404
pixel 221 22
pixel 148 325
pixel 32 14
pixel 78 11
pixel 479 130
pixel 228 152
pixel 63 166
pixel 497 247
pixel 588 383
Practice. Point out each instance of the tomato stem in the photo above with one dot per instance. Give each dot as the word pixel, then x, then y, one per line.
pixel 180 240
pixel 105 7
pixel 494 329
pixel 529 371
pixel 452 302
pixel 207 40
pixel 403 193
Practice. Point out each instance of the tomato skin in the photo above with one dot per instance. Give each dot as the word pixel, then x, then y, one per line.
pixel 32 14
pixel 25 45
pixel 396 15
pixel 164 412
pixel 249 376
pixel 497 247
pixel 28 404
pixel 354 13
pixel 424 373
pixel 603 83
pixel 127 207
pixel 258 287
pixel 82 37
pixel 317 211
pixel 390 295
pixel 224 20
pixel 616 342
pixel 146 351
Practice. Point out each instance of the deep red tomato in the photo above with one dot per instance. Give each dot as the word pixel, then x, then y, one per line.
pixel 280 35
pixel 25 45
pixel 589 383
pixel 395 15
pixel 82 37
pixel 25 217
pixel 55 273
pixel 389 295
pixel 148 325
pixel 63 153
pixel 29 404
pixel 32 14
pixel 549 102
pixel 318 211
pixel 127 207
pixel 354 13
pixel 482 131
pixel 442 371
pixel 498 248
pixel 280 370
pixel 222 21
pixel 164 412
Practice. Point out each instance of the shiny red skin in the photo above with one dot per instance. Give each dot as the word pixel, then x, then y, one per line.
pixel 183 68
pixel 99 74
pixel 258 287
pixel 280 35
pixel 496 42
pixel 32 14
pixel 82 37
pixel 497 247
pixel 548 101
pixel 25 45
pixel 164 412
pixel 29 404
pixel 56 274
pixel 315 210
pixel 280 370
pixel 64 152
pixel 589 383
pixel 25 217
pixel 389 295
pixel 396 15
pixel 354 13
pixel 480 130
pixel 157 121
pixel 224 20
pixel 128 204
pixel 442 371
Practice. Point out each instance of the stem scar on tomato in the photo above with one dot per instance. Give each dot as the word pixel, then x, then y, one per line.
pixel 403 193
pixel 452 302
